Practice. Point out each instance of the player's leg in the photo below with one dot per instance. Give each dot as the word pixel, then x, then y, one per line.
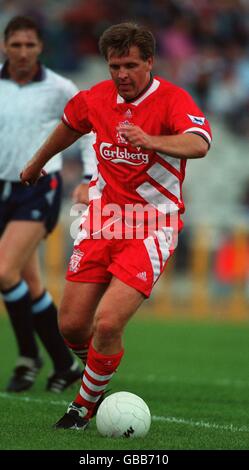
pixel 135 266
pixel 44 313
pixel 17 243
pixel 76 313
pixel 113 311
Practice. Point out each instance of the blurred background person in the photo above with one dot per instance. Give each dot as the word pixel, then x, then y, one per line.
pixel 32 98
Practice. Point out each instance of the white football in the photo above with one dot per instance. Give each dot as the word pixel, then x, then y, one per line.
pixel 123 414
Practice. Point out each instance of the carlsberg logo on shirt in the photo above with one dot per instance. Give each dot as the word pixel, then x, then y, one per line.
pixel 117 155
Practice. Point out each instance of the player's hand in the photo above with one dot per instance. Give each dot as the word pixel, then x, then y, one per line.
pixel 80 193
pixel 31 173
pixel 135 135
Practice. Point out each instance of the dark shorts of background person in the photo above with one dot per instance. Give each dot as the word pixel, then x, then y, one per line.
pixel 39 203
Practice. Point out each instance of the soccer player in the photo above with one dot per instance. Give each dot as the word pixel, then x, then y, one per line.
pixel 146 130
pixel 32 98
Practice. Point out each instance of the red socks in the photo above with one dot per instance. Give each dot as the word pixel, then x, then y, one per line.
pixel 80 350
pixel 97 374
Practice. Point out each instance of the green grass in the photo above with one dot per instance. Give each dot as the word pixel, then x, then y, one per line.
pixel 193 376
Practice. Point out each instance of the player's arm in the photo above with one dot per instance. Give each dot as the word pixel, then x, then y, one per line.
pixel 62 137
pixel 188 145
pixel 88 156
pixel 80 193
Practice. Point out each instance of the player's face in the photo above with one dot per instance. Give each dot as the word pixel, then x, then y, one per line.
pixel 22 49
pixel 130 73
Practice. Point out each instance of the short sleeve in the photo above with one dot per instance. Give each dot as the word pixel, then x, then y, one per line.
pixel 185 116
pixel 76 113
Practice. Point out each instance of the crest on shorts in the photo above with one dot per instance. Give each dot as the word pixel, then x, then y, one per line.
pixel 75 260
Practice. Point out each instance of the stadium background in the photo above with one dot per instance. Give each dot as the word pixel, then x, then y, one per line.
pixel 203 46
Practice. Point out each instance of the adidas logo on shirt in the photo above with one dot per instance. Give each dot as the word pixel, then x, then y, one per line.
pixel 142 276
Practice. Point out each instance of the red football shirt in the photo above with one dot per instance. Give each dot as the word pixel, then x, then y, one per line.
pixel 130 175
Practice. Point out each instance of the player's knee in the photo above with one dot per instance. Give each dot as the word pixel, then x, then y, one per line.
pixel 8 278
pixel 65 328
pixel 106 329
pixel 68 328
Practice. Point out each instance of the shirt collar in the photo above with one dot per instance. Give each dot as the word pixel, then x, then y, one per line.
pixel 141 92
pixel 142 96
pixel 38 77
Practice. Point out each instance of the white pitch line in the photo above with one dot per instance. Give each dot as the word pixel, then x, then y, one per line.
pixel 201 424
pixel 166 419
pixel 10 396
pixel 173 379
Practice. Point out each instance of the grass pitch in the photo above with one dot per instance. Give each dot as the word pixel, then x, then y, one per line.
pixel 193 376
